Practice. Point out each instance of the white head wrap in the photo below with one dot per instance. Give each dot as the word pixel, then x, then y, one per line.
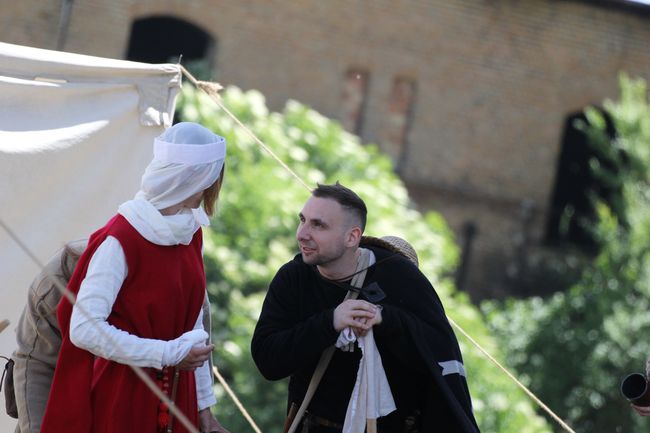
pixel 187 159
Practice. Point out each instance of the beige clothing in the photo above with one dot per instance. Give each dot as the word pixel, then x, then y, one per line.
pixel 38 339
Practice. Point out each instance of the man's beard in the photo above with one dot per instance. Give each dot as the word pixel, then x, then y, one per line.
pixel 319 259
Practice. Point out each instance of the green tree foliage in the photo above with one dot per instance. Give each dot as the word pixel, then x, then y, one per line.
pixel 574 348
pixel 253 235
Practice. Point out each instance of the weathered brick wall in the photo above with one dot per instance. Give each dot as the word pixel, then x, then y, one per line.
pixel 29 22
pixel 494 82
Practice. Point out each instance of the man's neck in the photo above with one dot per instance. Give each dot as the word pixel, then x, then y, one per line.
pixel 343 268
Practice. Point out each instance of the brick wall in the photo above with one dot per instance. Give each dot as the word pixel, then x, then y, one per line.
pixel 494 81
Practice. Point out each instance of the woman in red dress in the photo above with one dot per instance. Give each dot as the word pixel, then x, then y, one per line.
pixel 140 286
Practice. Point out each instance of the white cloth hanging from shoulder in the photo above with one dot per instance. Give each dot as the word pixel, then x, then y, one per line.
pixel 371 397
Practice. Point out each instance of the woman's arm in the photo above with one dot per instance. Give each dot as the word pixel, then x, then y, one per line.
pixel 90 330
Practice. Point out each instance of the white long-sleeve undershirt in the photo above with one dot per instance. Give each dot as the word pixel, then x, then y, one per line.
pixel 107 271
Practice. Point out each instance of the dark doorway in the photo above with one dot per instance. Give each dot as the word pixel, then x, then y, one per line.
pixel 578 187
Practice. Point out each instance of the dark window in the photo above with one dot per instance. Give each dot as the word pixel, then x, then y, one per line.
pixel 163 39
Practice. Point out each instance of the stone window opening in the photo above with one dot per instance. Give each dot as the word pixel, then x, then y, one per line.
pixel 401 102
pixel 164 39
pixel 354 99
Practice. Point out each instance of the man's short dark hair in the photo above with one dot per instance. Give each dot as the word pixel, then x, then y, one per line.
pixel 346 198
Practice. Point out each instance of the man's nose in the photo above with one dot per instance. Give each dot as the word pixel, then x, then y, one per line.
pixel 302 232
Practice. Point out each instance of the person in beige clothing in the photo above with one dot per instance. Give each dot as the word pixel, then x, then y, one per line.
pixel 39 338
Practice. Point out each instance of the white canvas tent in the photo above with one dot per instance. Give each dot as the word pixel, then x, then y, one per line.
pixel 76 133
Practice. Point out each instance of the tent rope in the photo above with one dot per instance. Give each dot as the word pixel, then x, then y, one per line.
pixel 234 398
pixel 536 399
pixel 211 89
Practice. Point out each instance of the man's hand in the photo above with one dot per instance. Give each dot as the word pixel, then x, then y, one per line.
pixel 377 319
pixel 370 322
pixel 209 423
pixel 196 357
pixel 357 314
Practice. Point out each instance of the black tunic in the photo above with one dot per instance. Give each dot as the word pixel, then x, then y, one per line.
pixel 296 325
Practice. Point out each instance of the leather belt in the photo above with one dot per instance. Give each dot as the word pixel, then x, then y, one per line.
pixel 320 421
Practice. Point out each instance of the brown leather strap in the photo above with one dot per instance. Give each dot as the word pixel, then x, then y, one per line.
pixel 293 410
pixel 324 422
pixel 172 397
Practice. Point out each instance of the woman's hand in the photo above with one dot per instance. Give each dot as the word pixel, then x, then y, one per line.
pixel 209 423
pixel 196 357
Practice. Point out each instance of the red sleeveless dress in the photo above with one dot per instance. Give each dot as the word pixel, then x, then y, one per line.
pixel 160 299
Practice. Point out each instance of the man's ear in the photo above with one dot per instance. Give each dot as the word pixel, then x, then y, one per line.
pixel 353 237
